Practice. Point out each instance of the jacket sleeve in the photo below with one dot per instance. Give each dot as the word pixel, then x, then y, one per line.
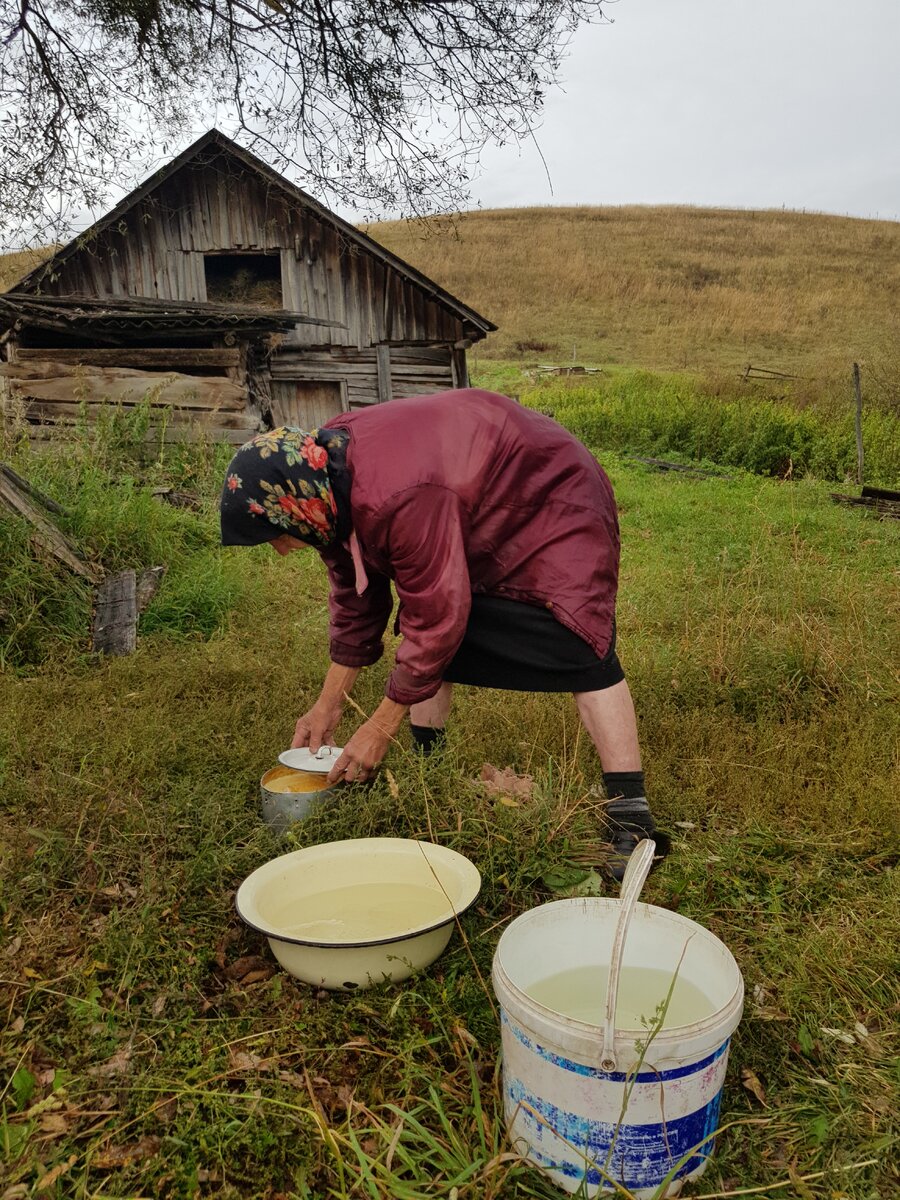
pixel 356 623
pixel 426 547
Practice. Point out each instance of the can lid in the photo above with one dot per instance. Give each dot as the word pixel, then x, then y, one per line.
pixel 303 759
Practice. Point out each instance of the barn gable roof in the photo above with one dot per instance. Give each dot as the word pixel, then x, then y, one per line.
pixel 213 139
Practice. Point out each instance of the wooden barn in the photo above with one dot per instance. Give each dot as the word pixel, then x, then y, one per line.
pixel 230 299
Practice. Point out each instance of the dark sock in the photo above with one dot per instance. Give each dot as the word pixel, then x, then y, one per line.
pixel 627 805
pixel 626 784
pixel 427 739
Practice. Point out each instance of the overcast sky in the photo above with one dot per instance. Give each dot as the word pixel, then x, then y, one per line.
pixel 720 102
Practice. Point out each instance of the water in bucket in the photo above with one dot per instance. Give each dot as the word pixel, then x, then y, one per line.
pixel 580 993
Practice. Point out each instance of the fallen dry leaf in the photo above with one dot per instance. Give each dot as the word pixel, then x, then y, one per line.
pixel 123 1156
pixel 505 782
pixel 54 1123
pixel 249 969
pixel 117 1065
pixel 246 1060
pixel 17 1025
pixel 751 1082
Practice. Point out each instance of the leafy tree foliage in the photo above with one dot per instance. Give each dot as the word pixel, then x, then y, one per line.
pixel 379 104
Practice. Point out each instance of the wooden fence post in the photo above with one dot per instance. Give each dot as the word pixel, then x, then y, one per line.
pixel 859 438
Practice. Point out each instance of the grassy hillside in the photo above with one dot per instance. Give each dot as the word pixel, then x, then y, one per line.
pixel 670 288
pixel 666 288
pixel 14 266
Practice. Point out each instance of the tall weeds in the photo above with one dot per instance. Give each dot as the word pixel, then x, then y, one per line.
pixel 657 415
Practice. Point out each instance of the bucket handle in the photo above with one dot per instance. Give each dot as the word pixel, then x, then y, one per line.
pixel 635 877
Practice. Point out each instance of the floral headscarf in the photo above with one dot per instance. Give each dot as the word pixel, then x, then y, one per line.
pixel 278 483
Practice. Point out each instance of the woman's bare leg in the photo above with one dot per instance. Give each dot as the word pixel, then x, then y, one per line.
pixel 609 718
pixel 433 712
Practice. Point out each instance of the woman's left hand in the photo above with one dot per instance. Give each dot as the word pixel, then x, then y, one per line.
pixel 369 744
pixel 362 754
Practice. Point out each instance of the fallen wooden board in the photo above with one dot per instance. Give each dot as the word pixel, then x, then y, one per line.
pixel 884 508
pixel 44 529
pixel 116 614
pixel 147 585
pixel 662 465
pixel 876 493
pixel 30 490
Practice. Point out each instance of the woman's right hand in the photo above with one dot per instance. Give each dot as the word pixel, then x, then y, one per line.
pixel 316 727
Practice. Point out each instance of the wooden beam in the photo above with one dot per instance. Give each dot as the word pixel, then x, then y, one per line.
pixel 44 529
pixel 72 411
pixel 30 490
pixel 137 356
pixel 383 358
pixel 64 382
pixel 460 371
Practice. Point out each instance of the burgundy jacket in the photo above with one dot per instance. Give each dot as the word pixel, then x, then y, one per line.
pixel 459 493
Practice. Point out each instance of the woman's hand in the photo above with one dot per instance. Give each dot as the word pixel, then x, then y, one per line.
pixel 369 744
pixel 362 754
pixel 316 727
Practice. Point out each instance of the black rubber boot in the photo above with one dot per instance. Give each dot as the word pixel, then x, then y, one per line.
pixel 629 822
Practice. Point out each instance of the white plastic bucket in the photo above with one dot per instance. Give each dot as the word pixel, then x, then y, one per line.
pixel 565 1107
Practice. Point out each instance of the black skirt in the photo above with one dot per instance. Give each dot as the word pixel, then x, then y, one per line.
pixel 524 648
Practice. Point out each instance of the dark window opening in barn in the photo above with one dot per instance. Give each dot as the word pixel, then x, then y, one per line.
pixel 244 279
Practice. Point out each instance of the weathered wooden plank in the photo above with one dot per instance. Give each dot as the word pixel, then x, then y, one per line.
pixel 116 614
pixel 385 390
pixel 420 370
pixel 324 354
pixel 424 354
pixel 74 412
pixel 137 356
pixel 314 370
pixel 413 388
pixel 45 531
pixel 460 369
pixel 147 585
pixel 29 489
pixel 170 435
pixel 61 382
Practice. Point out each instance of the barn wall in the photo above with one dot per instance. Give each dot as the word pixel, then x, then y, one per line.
pixel 157 248
pixel 413 370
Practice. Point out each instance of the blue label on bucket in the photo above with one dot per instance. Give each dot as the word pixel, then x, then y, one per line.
pixel 577 1068
pixel 641 1156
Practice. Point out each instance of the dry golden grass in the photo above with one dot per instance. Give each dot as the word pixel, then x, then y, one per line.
pixel 670 287
pixel 20 262
pixel 666 288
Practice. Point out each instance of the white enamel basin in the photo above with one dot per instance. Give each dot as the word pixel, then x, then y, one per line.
pixel 350 914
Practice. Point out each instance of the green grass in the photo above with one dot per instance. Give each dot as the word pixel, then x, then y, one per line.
pixel 778 430
pixel 759 631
